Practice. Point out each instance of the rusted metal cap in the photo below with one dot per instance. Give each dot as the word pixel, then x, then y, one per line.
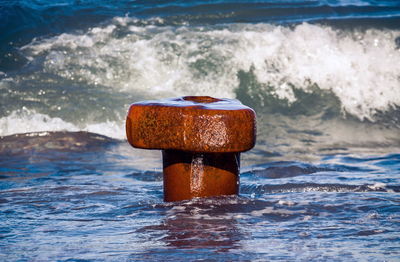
pixel 192 123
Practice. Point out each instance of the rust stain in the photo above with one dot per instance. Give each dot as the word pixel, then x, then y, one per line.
pixel 195 133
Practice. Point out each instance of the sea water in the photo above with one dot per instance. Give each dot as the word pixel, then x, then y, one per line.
pixel 322 182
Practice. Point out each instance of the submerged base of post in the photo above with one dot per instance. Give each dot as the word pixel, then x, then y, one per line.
pixel 188 175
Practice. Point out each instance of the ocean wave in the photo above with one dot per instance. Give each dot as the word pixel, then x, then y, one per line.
pixel 86 80
pixel 29 121
pixel 360 68
pixel 49 144
pixel 314 187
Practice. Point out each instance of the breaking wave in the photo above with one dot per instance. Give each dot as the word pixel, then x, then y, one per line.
pixel 86 80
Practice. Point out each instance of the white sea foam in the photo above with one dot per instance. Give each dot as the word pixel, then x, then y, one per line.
pixel 361 68
pixel 109 128
pixel 377 186
pixel 26 121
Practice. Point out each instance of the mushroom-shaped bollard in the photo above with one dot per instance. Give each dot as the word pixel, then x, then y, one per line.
pixel 201 138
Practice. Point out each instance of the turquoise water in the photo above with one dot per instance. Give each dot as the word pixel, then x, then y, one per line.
pixel 322 182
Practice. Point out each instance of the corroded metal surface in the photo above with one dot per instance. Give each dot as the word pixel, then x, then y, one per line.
pixel 201 138
pixel 188 175
pixel 196 124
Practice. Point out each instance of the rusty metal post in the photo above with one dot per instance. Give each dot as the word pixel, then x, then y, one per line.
pixel 201 139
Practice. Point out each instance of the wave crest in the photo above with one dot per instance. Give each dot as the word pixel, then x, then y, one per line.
pixel 361 68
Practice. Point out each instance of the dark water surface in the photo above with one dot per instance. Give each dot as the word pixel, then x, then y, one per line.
pixel 321 184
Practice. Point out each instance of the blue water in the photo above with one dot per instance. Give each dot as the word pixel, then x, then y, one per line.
pixel 321 184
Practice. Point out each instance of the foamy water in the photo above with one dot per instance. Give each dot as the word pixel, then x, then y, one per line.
pixel 26 121
pixel 360 68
